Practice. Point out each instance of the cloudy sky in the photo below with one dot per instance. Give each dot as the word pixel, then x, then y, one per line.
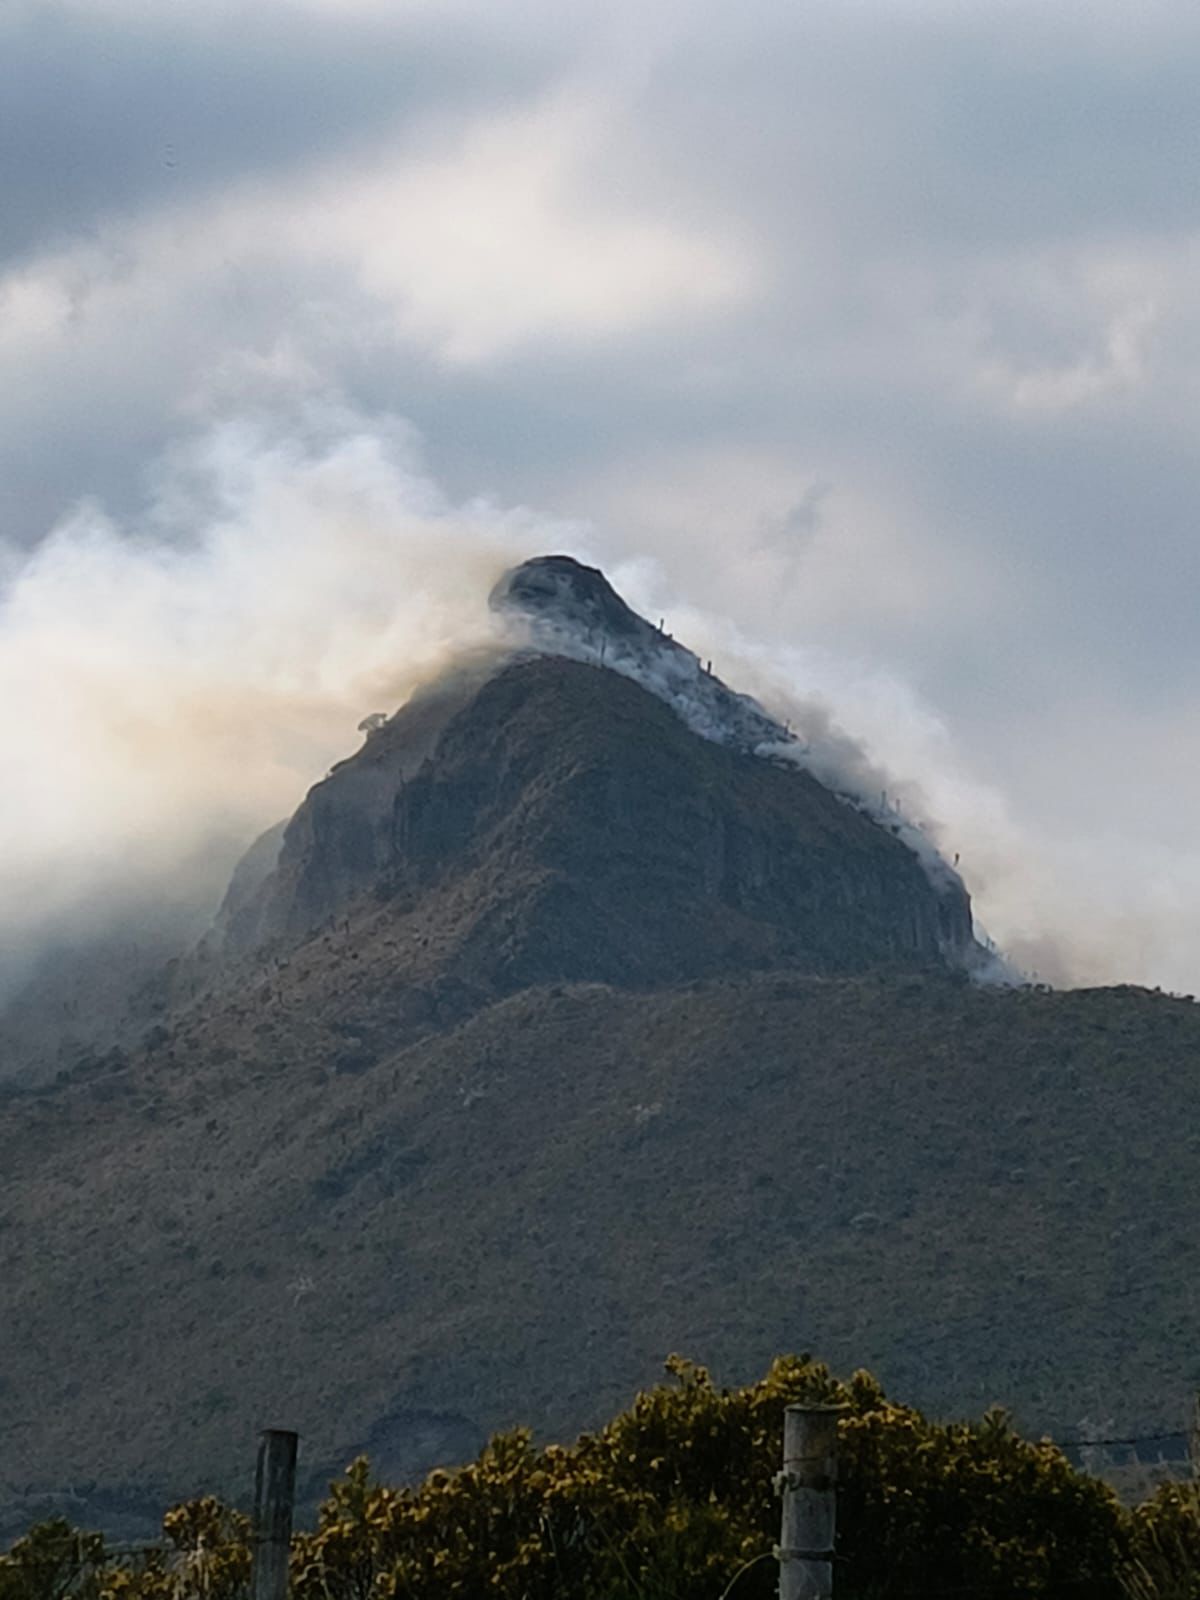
pixel 861 337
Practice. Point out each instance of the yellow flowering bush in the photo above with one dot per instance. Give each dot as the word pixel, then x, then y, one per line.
pixel 674 1500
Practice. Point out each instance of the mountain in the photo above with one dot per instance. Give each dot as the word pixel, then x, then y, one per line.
pixel 565 825
pixel 569 1022
pixel 544 817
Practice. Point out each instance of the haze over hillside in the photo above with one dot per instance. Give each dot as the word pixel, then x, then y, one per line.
pixel 557 1030
pixel 349 835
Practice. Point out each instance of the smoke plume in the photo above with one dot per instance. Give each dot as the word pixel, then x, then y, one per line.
pixel 172 685
pixel 173 682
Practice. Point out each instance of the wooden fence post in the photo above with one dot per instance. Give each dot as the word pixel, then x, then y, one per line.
pixel 807 1488
pixel 274 1496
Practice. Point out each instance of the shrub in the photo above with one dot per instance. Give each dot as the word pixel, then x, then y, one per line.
pixel 673 1500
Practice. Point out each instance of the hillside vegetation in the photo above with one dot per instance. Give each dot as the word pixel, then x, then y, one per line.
pixel 978 1193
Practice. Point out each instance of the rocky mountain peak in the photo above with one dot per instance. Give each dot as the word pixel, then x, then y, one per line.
pixel 595 806
pixel 572 610
pixel 563 593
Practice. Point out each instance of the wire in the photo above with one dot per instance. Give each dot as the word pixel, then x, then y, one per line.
pixel 1141 1438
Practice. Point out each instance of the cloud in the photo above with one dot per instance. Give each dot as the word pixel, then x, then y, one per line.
pixel 1068 328
pixel 491 243
pixel 172 684
pixel 869 327
pixel 450 248
pixel 114 108
pixel 170 687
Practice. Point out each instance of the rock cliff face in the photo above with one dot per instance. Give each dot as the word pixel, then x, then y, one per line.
pixel 559 821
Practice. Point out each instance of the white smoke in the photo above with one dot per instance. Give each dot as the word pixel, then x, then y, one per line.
pixel 1085 909
pixel 172 684
pixel 803 733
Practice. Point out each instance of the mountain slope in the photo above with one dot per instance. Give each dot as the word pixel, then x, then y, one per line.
pixel 558 1030
pixel 981 1194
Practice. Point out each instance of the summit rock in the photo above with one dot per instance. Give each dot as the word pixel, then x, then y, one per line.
pixel 562 817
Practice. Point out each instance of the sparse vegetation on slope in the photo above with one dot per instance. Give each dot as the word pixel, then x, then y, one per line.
pixel 273 1215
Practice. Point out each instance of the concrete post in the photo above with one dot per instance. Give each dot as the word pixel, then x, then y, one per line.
pixel 807 1485
pixel 274 1497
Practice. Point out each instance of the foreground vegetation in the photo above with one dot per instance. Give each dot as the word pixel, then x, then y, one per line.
pixel 673 1500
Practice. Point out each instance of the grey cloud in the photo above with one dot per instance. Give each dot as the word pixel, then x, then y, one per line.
pixel 100 115
pixel 924 191
pixel 996 124
pixel 801 519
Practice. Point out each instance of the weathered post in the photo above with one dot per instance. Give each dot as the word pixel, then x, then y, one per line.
pixel 807 1487
pixel 274 1496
